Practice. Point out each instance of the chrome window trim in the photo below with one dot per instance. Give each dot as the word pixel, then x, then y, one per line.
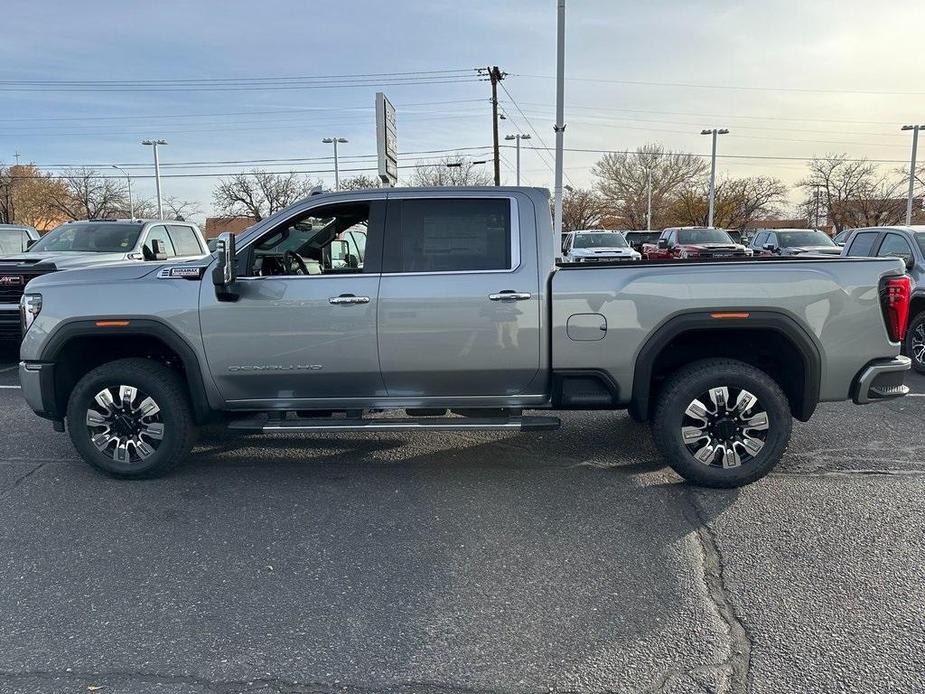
pixel 352 275
pixel 515 237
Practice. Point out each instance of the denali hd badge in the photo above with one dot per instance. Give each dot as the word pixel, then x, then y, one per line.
pixel 10 281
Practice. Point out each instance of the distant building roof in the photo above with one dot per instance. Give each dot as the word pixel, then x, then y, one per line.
pixel 218 225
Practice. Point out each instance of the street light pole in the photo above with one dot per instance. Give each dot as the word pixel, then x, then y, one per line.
pixel 131 204
pixel 560 116
pixel 518 138
pixel 714 132
pixel 335 140
pixel 157 173
pixel 915 143
pixel 648 199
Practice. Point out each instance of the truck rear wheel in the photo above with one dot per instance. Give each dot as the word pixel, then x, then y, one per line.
pixel 915 342
pixel 722 423
pixel 131 418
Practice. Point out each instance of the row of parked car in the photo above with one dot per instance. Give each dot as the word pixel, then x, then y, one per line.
pixel 693 242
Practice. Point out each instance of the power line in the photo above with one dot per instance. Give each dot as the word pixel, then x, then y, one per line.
pixel 722 156
pixel 689 85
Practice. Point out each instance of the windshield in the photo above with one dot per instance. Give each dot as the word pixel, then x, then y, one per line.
pixel 607 239
pixel 100 237
pixel 788 239
pixel 920 239
pixel 703 236
pixel 13 241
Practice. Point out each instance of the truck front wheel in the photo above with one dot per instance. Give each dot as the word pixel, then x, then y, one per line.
pixel 722 423
pixel 131 418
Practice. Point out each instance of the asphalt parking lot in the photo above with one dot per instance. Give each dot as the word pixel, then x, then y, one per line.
pixel 563 561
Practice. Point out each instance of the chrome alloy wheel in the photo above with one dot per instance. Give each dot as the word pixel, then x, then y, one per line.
pixel 725 427
pixel 917 343
pixel 127 421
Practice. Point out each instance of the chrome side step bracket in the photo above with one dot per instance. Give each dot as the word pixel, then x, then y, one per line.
pixel 328 425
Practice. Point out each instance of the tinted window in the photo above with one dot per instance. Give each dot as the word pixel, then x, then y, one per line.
pixel 448 235
pixel 894 246
pixel 759 240
pixel 791 239
pixel 13 241
pixel 600 239
pixel 184 240
pixel 93 237
pixel 159 233
pixel 862 243
pixel 703 236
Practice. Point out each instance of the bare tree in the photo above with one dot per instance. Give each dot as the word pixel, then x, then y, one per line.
pixel 177 208
pixel 738 201
pixel 623 182
pixel 854 191
pixel 581 209
pixel 450 171
pixel 360 182
pixel 259 193
pixel 88 195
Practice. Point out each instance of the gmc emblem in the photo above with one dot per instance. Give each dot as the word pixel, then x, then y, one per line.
pixel 9 281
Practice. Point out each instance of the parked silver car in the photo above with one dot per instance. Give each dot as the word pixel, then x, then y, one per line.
pixel 589 245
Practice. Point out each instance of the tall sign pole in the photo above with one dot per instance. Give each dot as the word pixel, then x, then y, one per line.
pixel 386 141
pixel 560 118
pixel 915 144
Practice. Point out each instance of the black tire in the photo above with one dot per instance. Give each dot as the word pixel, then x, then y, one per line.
pixel 915 342
pixel 691 382
pixel 175 416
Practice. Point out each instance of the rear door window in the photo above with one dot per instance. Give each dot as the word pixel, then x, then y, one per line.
pixel 184 239
pixel 449 235
pixel 862 244
pixel 894 246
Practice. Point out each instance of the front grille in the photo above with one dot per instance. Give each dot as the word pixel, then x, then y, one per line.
pixel 11 295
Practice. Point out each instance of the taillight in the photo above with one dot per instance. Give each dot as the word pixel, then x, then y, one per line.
pixel 895 302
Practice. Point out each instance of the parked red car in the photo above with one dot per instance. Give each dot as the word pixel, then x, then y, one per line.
pixel 694 242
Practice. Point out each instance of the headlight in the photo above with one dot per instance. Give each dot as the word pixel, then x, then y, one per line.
pixel 749 252
pixel 30 305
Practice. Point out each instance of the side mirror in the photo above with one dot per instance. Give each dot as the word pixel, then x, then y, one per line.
pixel 910 262
pixel 662 243
pixel 769 247
pixel 225 273
pixel 157 250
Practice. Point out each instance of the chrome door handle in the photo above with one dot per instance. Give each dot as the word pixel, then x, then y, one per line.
pixel 508 295
pixel 348 299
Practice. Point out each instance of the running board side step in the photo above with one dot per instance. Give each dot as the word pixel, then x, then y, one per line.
pixel 325 425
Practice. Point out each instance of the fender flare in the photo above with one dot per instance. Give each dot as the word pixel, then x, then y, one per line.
pixel 137 327
pixel 758 319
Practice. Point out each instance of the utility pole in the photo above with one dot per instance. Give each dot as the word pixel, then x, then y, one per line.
pixel 131 204
pixel 915 143
pixel 714 132
pixel 560 118
pixel 648 199
pixel 495 75
pixel 157 173
pixel 518 138
pixel 335 140
pixel 16 156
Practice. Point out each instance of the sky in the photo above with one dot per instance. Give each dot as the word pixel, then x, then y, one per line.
pixel 84 83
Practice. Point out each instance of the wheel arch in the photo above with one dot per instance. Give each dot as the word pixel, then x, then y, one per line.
pixel 690 336
pixel 78 346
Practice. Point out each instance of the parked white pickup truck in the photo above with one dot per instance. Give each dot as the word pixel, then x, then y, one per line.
pixel 456 312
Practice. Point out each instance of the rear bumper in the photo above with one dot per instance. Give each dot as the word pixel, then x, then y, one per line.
pixel 38 388
pixel 881 379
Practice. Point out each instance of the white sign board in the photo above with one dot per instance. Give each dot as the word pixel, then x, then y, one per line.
pixel 386 140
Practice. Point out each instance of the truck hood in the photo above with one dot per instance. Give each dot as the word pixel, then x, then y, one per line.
pixel 102 273
pixel 66 261
pixel 602 250
pixel 712 247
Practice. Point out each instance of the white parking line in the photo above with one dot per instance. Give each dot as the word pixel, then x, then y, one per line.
pixel 8 368
pixel 11 387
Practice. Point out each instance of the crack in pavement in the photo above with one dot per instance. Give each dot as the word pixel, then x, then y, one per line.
pixel 19 480
pixel 738 664
pixel 125 678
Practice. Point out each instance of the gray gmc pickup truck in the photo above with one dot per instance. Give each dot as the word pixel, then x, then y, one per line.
pixel 453 311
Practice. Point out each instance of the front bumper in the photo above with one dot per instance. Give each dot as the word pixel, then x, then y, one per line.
pixel 38 388
pixel 881 379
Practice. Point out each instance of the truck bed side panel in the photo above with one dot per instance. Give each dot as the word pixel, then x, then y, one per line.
pixel 835 301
